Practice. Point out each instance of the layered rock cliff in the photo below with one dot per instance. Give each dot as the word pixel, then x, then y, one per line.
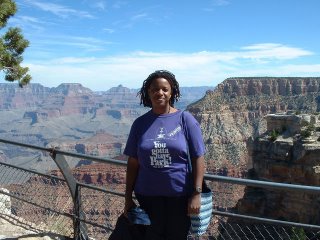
pixel 12 96
pixel 233 113
pixel 288 152
pixel 71 117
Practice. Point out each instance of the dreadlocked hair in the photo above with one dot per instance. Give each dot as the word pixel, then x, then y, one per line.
pixel 170 77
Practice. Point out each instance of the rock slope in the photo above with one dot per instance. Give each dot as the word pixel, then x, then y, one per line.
pixel 234 112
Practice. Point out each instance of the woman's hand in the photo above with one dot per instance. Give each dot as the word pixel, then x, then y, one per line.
pixel 129 203
pixel 194 204
pixel 198 170
pixel 131 175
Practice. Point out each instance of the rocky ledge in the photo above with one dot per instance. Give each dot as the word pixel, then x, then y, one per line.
pixel 288 152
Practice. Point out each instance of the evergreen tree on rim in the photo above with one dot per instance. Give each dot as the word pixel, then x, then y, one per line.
pixel 12 46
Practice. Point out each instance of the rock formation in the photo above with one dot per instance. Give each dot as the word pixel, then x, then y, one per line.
pixel 234 111
pixel 288 152
pixel 13 97
pixel 71 117
pixel 5 202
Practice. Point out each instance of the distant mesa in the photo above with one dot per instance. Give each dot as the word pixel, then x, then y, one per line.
pixel 72 89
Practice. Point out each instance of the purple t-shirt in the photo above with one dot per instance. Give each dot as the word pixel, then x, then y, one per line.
pixel 159 144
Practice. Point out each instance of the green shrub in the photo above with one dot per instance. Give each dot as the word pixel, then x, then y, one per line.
pixel 304 123
pixel 305 133
pixel 274 134
pixel 310 127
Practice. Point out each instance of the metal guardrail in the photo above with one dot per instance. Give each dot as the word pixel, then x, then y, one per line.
pixel 68 206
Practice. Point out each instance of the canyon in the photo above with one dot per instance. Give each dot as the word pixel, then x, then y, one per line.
pixel 76 119
pixel 237 118
pixel 71 117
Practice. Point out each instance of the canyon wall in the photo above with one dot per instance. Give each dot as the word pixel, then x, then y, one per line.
pixel 290 157
pixel 234 113
pixel 72 118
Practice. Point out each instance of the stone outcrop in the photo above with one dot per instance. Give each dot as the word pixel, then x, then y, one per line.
pixel 234 112
pixel 288 157
pixel 13 97
pixel 101 144
pixel 14 226
pixel 270 86
pixel 5 202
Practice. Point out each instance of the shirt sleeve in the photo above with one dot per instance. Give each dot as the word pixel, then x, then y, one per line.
pixel 194 136
pixel 132 142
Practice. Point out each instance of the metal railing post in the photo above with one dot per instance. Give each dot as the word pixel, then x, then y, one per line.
pixel 80 230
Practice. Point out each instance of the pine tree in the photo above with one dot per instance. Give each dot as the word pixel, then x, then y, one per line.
pixel 12 46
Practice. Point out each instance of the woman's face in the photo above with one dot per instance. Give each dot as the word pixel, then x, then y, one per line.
pixel 160 93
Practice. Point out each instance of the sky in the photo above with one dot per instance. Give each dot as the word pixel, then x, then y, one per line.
pixel 105 43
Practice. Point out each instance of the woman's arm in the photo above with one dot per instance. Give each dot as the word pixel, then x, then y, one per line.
pixel 131 175
pixel 198 170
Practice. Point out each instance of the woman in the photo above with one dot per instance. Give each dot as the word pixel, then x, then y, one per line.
pixel 157 169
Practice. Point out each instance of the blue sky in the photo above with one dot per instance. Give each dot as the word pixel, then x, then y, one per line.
pixel 104 43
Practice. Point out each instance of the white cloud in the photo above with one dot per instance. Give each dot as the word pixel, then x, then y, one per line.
pixel 220 2
pixel 28 22
pixel 302 69
pixel 27 19
pixel 273 51
pixel 135 19
pixel 139 16
pixel 119 4
pixel 80 44
pixel 109 30
pixel 73 60
pixel 191 69
pixel 59 10
pixel 213 4
pixel 100 5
